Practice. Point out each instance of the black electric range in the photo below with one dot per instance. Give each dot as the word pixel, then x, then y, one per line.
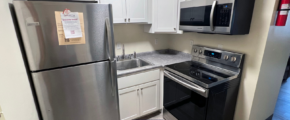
pixel 199 73
pixel 205 88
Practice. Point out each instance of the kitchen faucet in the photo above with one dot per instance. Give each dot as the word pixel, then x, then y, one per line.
pixel 123 56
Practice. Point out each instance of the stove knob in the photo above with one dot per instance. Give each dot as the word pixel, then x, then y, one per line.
pixel 233 59
pixel 226 57
pixel 200 51
pixel 195 50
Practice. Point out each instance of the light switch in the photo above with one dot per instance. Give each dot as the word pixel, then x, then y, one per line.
pixel 119 46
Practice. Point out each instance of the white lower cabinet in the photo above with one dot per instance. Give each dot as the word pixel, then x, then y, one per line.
pixel 138 98
pixel 129 103
pixel 149 97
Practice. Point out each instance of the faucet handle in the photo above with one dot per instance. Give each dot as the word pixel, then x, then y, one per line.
pixel 135 55
pixel 118 58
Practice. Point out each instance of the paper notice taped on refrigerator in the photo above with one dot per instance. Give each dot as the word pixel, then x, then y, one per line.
pixel 62 27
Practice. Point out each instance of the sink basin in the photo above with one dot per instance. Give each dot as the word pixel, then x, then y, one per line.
pixel 130 64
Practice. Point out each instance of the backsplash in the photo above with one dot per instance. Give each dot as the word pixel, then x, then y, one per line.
pixel 135 39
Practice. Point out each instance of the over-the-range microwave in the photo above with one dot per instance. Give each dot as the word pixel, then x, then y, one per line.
pixel 217 16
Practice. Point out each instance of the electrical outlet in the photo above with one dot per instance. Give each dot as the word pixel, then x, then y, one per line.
pixel 191 43
pixel 119 46
pixel 156 41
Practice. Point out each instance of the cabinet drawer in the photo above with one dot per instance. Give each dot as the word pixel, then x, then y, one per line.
pixel 138 78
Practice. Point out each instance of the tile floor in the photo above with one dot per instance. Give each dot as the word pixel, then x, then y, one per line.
pixel 282 110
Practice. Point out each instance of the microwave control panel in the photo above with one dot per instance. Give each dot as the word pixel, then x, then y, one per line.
pixel 223 14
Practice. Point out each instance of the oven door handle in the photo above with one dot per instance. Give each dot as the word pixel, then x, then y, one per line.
pixel 199 89
pixel 212 15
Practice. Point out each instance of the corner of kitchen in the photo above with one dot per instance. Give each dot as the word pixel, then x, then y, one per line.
pixel 144 60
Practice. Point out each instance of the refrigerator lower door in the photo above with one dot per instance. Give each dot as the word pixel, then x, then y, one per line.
pixel 83 92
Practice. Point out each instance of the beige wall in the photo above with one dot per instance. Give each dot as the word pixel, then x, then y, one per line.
pixel 15 94
pixel 135 39
pixel 253 45
pixel 273 66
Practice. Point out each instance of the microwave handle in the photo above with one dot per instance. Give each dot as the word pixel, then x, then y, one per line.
pixel 212 15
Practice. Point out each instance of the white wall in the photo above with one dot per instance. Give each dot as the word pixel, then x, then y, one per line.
pixel 135 39
pixel 15 94
pixel 253 45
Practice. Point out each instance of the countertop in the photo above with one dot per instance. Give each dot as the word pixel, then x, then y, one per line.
pixel 159 59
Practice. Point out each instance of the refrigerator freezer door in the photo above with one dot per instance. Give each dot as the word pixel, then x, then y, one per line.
pixel 84 92
pixel 37 24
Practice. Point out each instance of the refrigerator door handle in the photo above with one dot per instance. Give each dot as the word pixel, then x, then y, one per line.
pixel 109 40
pixel 110 55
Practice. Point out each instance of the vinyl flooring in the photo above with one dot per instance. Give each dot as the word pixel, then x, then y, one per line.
pixel 282 109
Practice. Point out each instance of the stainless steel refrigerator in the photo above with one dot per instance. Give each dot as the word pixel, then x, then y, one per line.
pixel 74 80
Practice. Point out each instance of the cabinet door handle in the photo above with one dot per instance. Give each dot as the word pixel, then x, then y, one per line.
pixel 125 20
pixel 137 91
pixel 129 19
pixel 174 28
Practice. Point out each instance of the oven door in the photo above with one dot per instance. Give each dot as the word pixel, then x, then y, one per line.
pixel 183 100
pixel 206 16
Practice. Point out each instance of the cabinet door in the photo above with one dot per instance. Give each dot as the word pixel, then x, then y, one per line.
pixel 137 11
pixel 149 98
pixel 119 10
pixel 129 103
pixel 165 17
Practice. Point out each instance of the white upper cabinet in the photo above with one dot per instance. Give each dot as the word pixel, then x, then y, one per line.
pixel 119 10
pixel 137 11
pixel 129 11
pixel 165 17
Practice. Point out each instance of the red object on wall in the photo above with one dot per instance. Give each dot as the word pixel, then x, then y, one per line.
pixel 283 13
pixel 284 4
pixel 281 18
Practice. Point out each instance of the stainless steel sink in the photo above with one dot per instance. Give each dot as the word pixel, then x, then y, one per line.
pixel 130 64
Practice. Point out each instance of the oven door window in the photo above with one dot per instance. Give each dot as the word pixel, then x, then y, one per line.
pixel 195 16
pixel 183 103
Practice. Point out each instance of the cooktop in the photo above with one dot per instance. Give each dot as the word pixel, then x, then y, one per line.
pixel 197 72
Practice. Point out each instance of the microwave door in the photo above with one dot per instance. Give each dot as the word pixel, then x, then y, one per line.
pixel 195 18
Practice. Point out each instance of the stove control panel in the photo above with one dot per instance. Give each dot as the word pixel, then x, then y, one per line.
pixel 216 55
pixel 213 54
